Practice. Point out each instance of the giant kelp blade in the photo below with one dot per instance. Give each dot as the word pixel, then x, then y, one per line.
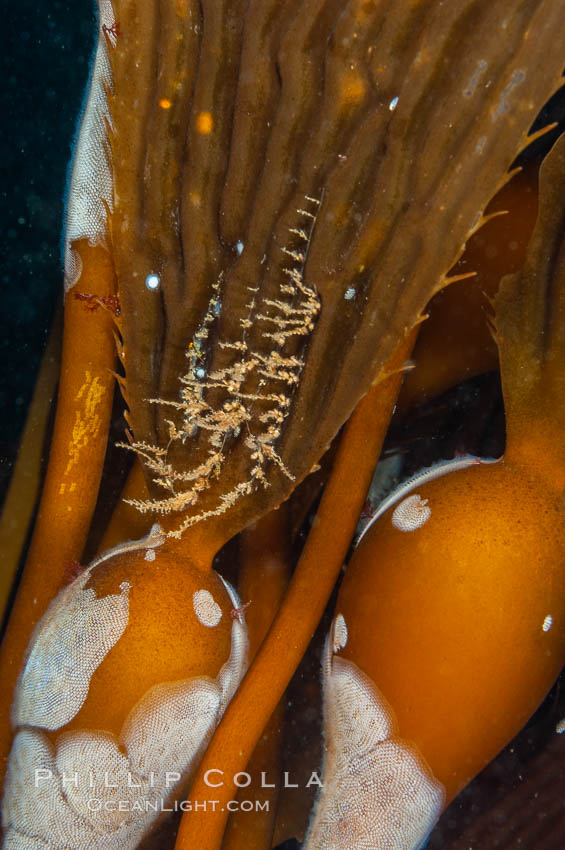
pixel 302 176
pixel 530 329
pixel 465 101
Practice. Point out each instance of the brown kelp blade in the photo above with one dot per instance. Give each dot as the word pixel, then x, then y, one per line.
pixel 301 176
pixel 530 331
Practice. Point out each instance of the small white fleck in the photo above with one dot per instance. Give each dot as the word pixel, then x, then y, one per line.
pixel 156 531
pixel 153 282
pixel 411 513
pixel 560 727
pixel 150 555
pixel 339 633
pixel 482 66
pixel 547 623
pixel 200 372
pixel 239 247
pixel 350 293
pixel 206 609
pixel 393 104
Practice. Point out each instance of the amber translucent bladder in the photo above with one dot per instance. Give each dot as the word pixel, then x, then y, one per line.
pixel 226 127
pixel 446 618
pixel 451 615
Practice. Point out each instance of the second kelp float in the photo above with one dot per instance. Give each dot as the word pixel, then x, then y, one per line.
pixel 265 198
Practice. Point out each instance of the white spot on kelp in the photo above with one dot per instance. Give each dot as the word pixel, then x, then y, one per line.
pixel 206 608
pixel 339 633
pixel 518 76
pixel 471 87
pixel 438 470
pixel 411 513
pixel 152 282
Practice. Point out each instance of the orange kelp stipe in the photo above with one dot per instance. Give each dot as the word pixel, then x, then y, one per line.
pixel 454 600
pixel 303 605
pixel 126 523
pixel 25 482
pixel 264 575
pixel 75 463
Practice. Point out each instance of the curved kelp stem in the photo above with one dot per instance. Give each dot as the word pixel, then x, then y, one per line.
pixel 75 464
pixel 265 572
pixel 126 523
pixel 25 483
pixel 304 603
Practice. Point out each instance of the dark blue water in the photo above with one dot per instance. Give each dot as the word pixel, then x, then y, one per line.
pixel 44 61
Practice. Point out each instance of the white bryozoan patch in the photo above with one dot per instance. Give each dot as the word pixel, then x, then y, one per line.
pixel 70 641
pixel 207 610
pixel 377 790
pixel 91 190
pixel 412 513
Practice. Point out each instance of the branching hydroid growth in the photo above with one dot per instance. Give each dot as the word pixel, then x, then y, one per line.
pixel 248 400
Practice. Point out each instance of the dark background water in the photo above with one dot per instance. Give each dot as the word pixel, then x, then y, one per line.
pixel 45 60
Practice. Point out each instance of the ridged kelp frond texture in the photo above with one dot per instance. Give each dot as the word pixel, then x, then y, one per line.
pixel 301 176
pixel 529 329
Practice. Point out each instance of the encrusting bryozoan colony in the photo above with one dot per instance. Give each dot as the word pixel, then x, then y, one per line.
pixel 377 789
